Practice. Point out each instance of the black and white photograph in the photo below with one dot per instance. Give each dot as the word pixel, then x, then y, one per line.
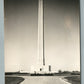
pixel 42 41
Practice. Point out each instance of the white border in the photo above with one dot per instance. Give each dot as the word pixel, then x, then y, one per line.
pixel 2 42
pixel 82 39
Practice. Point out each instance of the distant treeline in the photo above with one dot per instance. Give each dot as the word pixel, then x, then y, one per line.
pixel 16 73
pixel 69 72
pixel 59 73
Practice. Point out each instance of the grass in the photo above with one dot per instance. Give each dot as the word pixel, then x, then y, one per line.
pixel 13 80
pixel 74 79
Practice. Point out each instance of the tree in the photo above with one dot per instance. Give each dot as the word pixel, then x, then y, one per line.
pixel 60 71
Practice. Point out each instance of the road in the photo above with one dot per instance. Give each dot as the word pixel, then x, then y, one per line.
pixel 43 80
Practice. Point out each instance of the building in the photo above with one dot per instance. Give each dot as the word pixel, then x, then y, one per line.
pixel 49 68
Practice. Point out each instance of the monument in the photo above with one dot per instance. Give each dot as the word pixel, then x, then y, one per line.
pixel 41 34
pixel 41 53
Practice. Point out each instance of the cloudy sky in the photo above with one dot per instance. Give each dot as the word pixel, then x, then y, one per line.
pixel 62 39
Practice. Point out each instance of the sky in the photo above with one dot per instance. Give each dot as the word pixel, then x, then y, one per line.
pixel 61 34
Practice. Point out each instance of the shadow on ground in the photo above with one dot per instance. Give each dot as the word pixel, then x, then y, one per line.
pixel 13 80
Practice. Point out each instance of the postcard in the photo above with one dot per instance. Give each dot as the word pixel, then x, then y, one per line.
pixel 42 41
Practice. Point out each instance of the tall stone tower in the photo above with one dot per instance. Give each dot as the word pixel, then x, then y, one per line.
pixel 41 32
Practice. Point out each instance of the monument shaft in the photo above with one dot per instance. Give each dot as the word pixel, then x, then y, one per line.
pixel 41 31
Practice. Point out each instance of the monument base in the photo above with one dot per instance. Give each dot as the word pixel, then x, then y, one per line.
pixel 42 72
